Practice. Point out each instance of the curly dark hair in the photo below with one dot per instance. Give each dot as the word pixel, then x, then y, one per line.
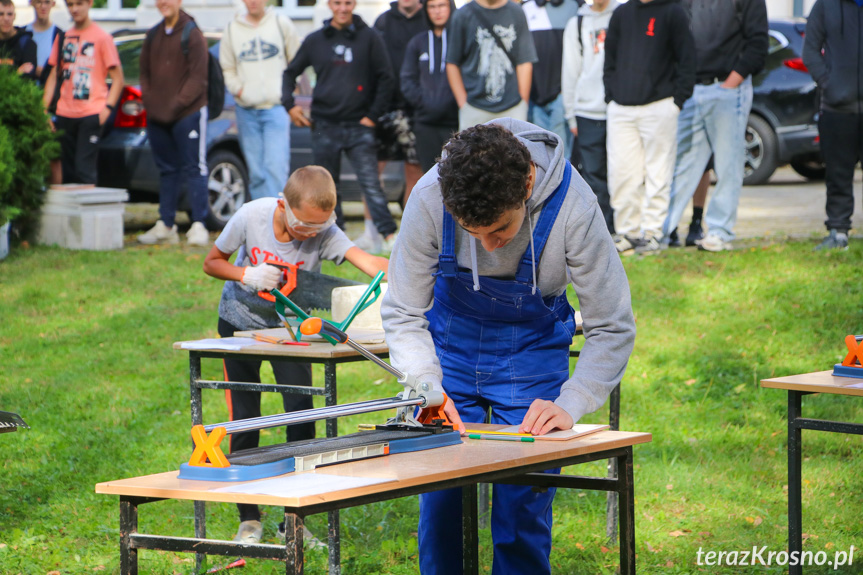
pixel 483 174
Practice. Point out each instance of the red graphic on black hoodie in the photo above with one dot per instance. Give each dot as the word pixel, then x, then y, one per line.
pixel 650 26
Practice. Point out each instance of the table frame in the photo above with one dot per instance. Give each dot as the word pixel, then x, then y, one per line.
pixel 292 552
pixel 329 392
pixel 796 424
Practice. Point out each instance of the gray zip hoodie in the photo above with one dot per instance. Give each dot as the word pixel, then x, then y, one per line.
pixel 581 77
pixel 579 248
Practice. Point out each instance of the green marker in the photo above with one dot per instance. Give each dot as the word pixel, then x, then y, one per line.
pixel 501 438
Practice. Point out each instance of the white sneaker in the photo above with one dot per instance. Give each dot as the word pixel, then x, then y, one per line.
pixel 160 234
pixel 623 244
pixel 387 247
pixel 713 243
pixel 249 532
pixel 649 246
pixel 198 235
pixel 370 244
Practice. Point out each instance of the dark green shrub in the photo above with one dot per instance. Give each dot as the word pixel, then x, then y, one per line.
pixel 33 145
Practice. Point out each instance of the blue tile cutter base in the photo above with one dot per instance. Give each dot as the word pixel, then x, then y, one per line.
pixel 840 370
pixel 423 439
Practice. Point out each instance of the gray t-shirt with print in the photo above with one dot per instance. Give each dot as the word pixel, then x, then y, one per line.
pixel 250 233
pixel 487 70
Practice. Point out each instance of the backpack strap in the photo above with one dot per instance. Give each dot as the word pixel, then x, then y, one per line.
pixel 184 39
pixel 484 21
pixel 580 22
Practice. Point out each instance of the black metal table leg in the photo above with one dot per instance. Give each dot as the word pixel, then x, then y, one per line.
pixel 293 543
pixel 330 396
pixel 197 410
pixel 195 391
pixel 128 525
pixel 795 505
pixel 470 537
pixel 334 542
pixel 626 490
pixel 333 522
pixel 611 498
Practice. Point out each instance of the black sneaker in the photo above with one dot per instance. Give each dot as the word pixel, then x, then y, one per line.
pixel 695 234
pixel 673 239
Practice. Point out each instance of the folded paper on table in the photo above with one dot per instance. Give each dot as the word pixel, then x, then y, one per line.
pixel 578 430
pixel 304 484
pixel 225 343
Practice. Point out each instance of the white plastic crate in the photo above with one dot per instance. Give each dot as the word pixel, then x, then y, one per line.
pixel 83 218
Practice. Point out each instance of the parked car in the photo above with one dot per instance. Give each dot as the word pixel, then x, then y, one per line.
pixel 126 161
pixel 783 125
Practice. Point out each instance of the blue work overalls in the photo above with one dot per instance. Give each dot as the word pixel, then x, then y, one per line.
pixel 501 347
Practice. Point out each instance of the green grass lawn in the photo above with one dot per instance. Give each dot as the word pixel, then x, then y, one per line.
pixel 86 359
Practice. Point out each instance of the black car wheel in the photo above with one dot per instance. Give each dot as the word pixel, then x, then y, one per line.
pixel 760 152
pixel 228 186
pixel 809 168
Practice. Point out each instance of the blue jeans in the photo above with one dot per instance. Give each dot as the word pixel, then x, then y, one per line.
pixel 265 138
pixel 329 140
pixel 180 152
pixel 550 117
pixel 712 122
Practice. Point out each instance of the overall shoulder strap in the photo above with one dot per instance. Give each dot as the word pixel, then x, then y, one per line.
pixel 447 260
pixel 542 227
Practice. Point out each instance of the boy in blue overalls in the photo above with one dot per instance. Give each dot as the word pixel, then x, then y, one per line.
pixel 492 327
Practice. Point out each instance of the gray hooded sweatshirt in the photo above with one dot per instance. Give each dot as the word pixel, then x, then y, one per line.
pixel 579 248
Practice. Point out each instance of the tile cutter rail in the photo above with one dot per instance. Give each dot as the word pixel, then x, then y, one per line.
pixel 402 433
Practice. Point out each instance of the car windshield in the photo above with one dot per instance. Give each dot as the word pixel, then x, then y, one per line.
pixel 130 57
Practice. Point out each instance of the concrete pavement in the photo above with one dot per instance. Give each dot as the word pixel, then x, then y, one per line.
pixel 789 206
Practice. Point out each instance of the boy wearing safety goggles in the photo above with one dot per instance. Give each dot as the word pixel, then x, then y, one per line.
pixel 297 227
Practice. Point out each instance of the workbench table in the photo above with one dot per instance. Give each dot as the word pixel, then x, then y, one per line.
pixel 317 352
pixel 406 474
pixel 798 386
pixel 330 356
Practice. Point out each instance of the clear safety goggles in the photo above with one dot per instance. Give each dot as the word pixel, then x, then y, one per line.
pixel 303 227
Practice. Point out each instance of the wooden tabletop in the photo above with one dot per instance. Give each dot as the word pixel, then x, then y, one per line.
pixel 471 458
pixel 316 349
pixel 370 339
pixel 818 382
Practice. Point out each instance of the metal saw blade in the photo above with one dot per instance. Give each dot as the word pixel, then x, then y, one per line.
pixel 314 290
pixel 11 421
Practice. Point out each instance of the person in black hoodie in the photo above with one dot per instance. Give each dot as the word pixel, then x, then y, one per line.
pixel 834 57
pixel 649 73
pixel 397 140
pixel 354 88
pixel 17 48
pixel 425 86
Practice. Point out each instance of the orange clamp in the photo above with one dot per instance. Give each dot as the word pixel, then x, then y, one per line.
pixel 208 448
pixel 855 352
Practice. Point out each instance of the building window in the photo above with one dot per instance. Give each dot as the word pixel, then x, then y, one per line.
pixel 114 9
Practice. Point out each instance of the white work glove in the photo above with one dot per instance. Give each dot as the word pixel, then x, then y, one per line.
pixel 262 278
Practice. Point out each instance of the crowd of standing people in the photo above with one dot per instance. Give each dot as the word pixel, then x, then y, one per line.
pixel 647 96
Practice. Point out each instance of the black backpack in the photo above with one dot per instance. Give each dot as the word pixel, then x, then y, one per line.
pixel 215 79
